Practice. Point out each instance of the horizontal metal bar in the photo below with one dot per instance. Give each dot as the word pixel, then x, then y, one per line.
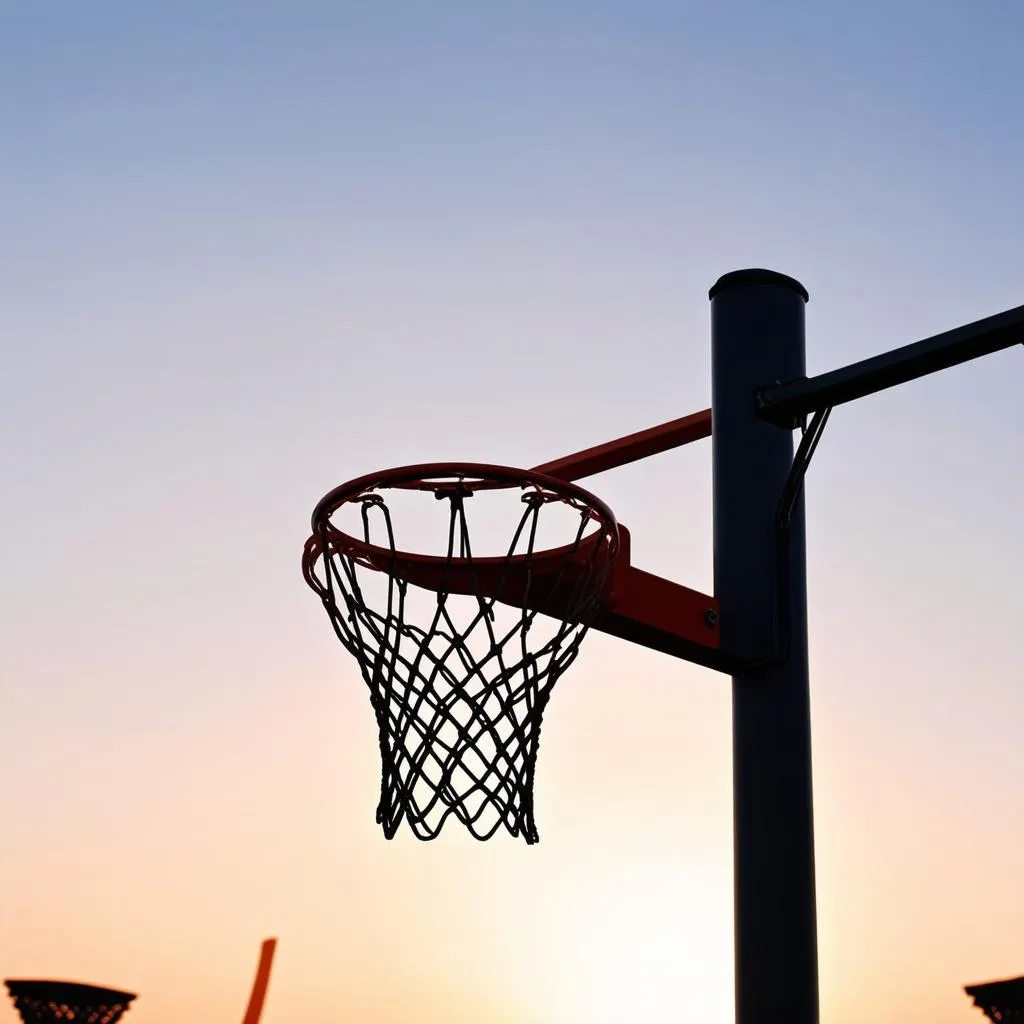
pixel 630 448
pixel 787 404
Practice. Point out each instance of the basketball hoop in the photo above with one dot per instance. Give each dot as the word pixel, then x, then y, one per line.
pixel 40 1002
pixel 458 666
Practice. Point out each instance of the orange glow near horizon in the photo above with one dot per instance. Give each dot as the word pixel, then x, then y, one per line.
pixel 623 908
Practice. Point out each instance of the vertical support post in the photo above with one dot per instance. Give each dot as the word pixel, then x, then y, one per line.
pixel 757 338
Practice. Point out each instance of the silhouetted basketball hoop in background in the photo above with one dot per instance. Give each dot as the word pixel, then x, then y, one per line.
pixel 1001 1001
pixel 39 1001
pixel 43 1001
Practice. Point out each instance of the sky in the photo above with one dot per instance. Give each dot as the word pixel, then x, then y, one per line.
pixel 249 251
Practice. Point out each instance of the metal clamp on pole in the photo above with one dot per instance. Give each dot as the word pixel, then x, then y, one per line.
pixel 781 598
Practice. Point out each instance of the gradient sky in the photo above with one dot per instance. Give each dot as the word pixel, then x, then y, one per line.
pixel 248 251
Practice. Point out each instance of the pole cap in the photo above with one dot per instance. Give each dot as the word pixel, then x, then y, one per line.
pixel 737 278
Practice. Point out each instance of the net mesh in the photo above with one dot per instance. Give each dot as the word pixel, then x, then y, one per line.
pixel 38 1001
pixel 459 677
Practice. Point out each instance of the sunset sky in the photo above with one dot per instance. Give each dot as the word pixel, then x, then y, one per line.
pixel 249 251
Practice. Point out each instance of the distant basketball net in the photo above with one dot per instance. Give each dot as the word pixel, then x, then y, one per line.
pixel 1001 1001
pixel 44 1001
pixel 459 665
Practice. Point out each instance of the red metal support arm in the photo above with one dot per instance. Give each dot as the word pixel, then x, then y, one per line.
pixel 630 448
pixel 640 606
pixel 661 614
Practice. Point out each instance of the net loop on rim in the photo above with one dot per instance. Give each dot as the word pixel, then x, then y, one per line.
pixel 460 652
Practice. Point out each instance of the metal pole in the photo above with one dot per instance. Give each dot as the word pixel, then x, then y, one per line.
pixel 757 338
pixel 787 402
